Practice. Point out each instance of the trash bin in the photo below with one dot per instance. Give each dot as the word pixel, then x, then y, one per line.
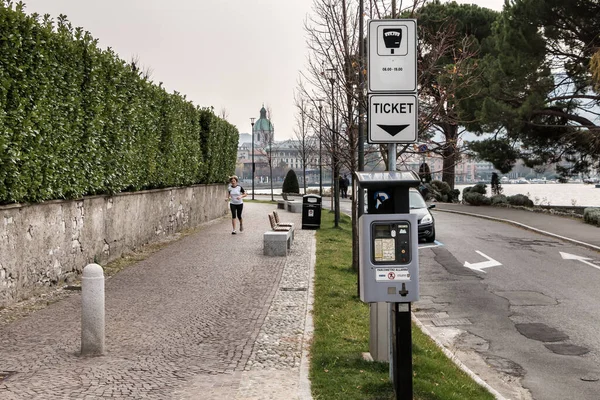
pixel 311 211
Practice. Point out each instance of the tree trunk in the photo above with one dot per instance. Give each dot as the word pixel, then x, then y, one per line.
pixel 450 154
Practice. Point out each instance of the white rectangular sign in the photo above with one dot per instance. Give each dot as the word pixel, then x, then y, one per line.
pixel 393 55
pixel 393 118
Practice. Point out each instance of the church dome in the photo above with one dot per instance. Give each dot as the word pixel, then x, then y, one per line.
pixel 263 124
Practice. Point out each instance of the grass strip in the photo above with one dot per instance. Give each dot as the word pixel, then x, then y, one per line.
pixel 341 335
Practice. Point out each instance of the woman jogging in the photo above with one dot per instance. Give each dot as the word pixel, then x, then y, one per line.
pixel 236 204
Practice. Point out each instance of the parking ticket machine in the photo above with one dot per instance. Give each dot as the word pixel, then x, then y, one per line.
pixel 388 238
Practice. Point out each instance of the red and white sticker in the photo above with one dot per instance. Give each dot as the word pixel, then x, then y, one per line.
pixel 392 275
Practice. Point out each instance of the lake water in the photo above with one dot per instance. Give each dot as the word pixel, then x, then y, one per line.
pixel 559 194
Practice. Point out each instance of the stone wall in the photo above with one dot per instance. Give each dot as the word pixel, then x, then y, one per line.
pixel 49 243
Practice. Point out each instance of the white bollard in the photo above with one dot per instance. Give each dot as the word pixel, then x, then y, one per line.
pixel 92 310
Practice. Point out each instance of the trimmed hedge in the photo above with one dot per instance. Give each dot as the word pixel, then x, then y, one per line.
pixel 476 199
pixel 592 216
pixel 499 199
pixel 519 200
pixel 76 120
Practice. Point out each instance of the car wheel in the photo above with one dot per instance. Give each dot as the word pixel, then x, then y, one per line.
pixel 431 238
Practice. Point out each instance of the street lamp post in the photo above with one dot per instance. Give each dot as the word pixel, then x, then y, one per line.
pixel 336 198
pixel 252 123
pixel 271 137
pixel 320 147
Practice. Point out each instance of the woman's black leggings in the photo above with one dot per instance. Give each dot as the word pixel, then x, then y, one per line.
pixel 236 209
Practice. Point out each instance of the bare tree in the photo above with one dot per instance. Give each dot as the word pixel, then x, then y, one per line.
pixel 144 73
pixel 306 143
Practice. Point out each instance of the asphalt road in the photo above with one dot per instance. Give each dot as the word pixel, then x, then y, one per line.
pixel 524 310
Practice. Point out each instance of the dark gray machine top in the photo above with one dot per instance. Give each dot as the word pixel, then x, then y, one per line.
pixel 392 178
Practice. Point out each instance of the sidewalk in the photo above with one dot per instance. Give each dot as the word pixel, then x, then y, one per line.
pixel 207 317
pixel 573 230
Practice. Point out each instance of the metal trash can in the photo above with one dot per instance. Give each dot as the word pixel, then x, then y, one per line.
pixel 311 211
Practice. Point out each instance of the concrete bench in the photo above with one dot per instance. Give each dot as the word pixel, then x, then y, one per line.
pixel 281 228
pixel 291 196
pixel 277 243
pixel 294 206
pixel 281 205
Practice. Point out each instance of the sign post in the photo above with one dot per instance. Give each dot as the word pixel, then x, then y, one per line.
pixel 393 117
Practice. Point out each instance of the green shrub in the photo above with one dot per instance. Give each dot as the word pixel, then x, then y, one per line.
pixel 520 200
pixel 592 216
pixel 455 194
pixel 290 183
pixel 499 199
pixel 476 199
pixel 480 188
pixel 441 191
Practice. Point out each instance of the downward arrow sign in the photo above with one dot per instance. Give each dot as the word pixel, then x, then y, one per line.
pixel 484 264
pixel 393 129
pixel 567 256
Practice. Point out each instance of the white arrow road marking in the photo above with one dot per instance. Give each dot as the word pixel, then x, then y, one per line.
pixel 484 264
pixel 567 256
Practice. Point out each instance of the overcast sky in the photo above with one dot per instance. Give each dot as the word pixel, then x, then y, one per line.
pixel 230 54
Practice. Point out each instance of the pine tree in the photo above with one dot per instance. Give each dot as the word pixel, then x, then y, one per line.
pixel 290 183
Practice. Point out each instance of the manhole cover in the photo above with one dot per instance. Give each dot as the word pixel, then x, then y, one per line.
pixel 294 289
pixel 567 349
pixel 541 332
pixel 429 315
pixel 450 321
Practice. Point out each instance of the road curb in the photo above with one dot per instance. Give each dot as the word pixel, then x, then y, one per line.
pixel 456 361
pixel 530 228
pixel 304 384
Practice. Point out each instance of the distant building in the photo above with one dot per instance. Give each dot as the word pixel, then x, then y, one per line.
pixel 284 155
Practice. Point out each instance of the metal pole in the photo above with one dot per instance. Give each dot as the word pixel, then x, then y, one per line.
pixel 356 190
pixel 303 152
pixel 320 149
pixel 361 99
pixel 334 154
pixel 391 157
pixel 400 313
pixel 271 138
pixel 403 355
pixel 252 123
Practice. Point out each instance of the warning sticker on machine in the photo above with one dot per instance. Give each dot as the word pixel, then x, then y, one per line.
pixel 392 274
